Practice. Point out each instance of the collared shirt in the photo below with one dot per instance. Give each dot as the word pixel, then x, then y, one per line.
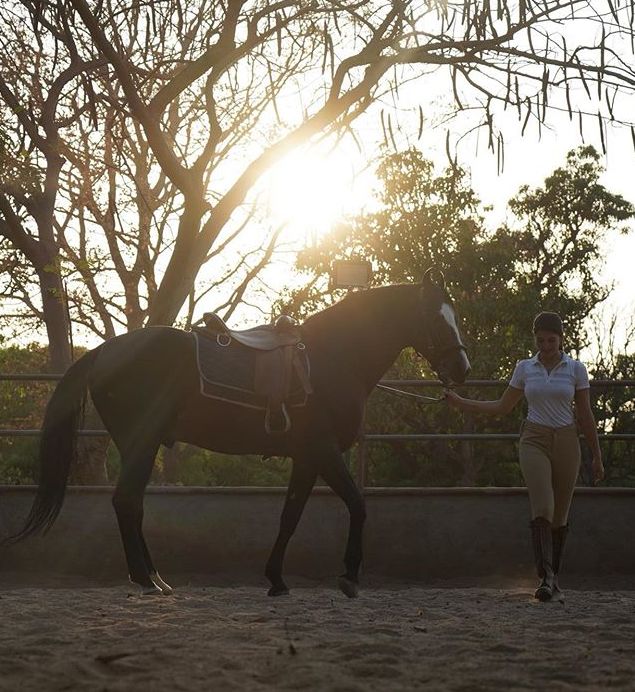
pixel 550 394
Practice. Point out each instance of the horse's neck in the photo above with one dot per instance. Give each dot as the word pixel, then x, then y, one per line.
pixel 372 364
pixel 368 340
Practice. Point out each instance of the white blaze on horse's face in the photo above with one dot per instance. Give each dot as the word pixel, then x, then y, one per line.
pixel 454 366
pixel 450 318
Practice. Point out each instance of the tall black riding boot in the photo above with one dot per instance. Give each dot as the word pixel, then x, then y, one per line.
pixel 558 537
pixel 543 555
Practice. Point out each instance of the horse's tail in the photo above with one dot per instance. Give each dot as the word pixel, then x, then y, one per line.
pixel 58 446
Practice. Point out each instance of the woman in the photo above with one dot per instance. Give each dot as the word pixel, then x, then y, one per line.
pixel 549 448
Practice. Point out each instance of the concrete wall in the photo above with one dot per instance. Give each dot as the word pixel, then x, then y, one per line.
pixel 422 534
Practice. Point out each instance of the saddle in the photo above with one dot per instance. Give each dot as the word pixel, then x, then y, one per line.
pixel 265 367
pixel 265 337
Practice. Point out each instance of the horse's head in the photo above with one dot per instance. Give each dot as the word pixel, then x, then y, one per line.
pixel 438 337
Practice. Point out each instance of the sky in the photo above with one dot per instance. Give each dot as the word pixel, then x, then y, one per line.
pixel 342 179
pixel 528 160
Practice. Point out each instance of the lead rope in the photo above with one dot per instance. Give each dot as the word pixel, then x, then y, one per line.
pixel 410 395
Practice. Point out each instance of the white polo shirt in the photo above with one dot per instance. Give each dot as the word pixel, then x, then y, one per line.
pixel 550 395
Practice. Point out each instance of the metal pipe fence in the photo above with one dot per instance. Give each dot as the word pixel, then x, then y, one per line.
pixel 38 377
pixel 365 437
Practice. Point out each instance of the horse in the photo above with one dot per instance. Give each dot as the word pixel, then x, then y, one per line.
pixel 145 386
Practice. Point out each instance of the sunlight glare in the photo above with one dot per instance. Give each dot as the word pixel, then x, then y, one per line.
pixel 308 193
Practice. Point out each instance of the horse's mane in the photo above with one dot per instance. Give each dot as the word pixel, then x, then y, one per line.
pixel 361 304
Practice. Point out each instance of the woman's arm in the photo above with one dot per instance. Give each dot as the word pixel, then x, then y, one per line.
pixel 585 417
pixel 511 396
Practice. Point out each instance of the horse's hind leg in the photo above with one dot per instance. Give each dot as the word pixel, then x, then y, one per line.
pixel 302 480
pixel 165 588
pixel 128 503
pixel 333 470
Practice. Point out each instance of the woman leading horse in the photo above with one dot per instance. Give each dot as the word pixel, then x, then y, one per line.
pixel 145 385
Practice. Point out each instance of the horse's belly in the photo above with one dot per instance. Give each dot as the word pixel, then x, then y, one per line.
pixel 231 429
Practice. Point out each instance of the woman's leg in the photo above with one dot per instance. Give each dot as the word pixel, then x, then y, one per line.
pixel 535 465
pixel 535 462
pixel 566 467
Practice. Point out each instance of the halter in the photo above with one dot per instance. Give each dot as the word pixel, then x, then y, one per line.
pixel 433 349
pixel 436 352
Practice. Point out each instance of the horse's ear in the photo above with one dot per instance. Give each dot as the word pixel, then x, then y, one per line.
pixel 435 276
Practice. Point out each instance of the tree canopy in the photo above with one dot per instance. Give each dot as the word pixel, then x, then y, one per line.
pixel 546 257
pixel 147 129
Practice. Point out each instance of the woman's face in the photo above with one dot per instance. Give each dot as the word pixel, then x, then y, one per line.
pixel 548 343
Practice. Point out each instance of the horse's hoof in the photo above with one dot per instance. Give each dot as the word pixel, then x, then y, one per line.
pixel 278 591
pixel 348 587
pixel 137 589
pixel 543 594
pixel 165 588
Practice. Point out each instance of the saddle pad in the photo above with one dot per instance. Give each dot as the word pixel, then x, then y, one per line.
pixel 228 373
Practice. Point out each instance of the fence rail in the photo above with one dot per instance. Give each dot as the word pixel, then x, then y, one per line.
pixel 365 437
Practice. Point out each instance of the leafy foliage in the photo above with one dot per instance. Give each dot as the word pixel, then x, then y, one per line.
pixel 547 259
pixel 22 405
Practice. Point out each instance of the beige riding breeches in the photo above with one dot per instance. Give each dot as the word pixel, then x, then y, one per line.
pixel 550 462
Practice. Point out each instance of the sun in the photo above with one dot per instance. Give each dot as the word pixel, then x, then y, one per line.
pixel 309 192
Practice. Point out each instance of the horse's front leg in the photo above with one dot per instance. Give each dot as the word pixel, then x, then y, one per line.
pixel 302 480
pixel 334 472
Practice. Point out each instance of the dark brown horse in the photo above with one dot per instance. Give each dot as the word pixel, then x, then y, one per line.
pixel 145 386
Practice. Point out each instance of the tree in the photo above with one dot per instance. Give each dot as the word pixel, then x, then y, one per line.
pixel 214 96
pixel 238 65
pixel 21 406
pixel 559 242
pixel 36 105
pixel 110 207
pixel 547 259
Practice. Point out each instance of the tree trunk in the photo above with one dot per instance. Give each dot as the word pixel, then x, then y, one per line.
pixel 91 452
pixel 183 267
pixel 55 319
pixel 91 461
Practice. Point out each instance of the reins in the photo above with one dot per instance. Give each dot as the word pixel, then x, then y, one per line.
pixel 410 395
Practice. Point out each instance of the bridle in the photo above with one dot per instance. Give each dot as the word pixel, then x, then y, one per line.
pixel 435 348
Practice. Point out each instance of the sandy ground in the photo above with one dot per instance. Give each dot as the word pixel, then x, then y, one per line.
pixel 394 637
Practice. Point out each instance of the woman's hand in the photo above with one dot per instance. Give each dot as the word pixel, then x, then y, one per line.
pixel 598 469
